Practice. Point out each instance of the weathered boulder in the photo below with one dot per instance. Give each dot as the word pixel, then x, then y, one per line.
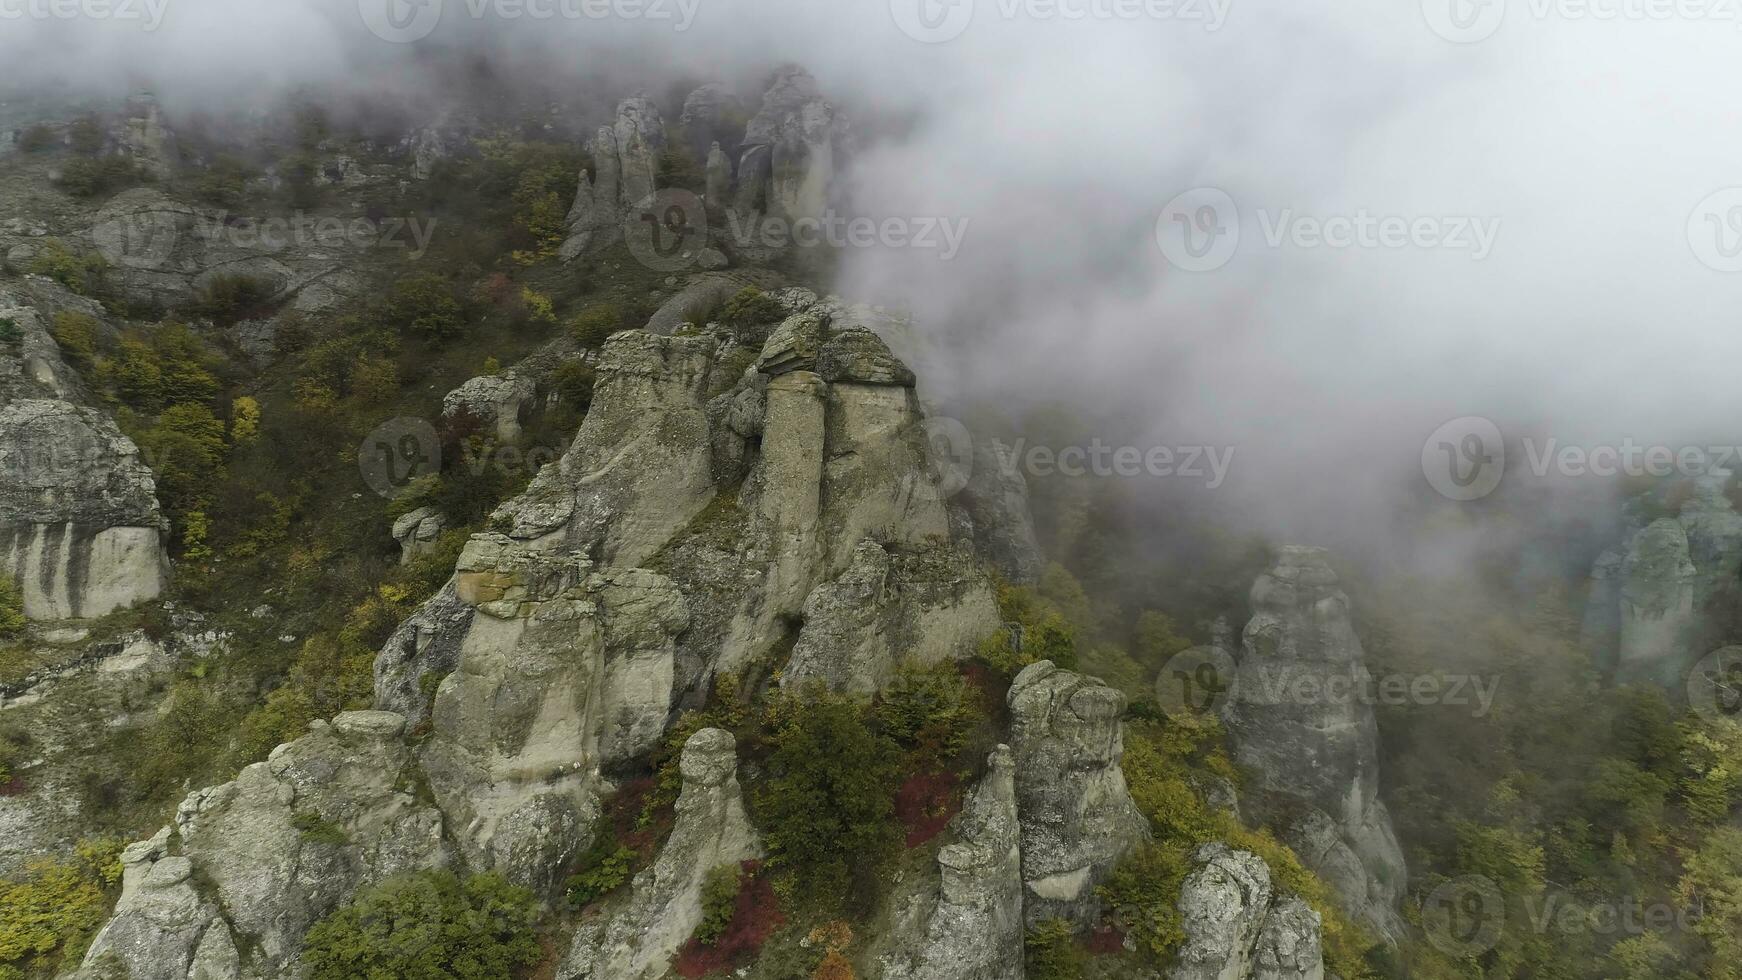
pixel 1078 819
pixel 417 531
pixel 423 650
pixel 265 857
pixel 637 940
pixel 1237 928
pixel 972 928
pixel 1301 725
pixel 495 401
pixel 992 510
pixel 562 670
pixel 80 528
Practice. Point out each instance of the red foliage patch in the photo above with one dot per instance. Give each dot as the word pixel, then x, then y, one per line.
pixel 13 787
pixel 753 921
pixel 624 813
pixel 925 804
pixel 1105 940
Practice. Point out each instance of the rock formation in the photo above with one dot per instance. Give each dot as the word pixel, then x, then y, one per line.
pixel 1237 928
pixel 625 158
pixel 417 531
pixel 496 402
pixel 992 510
pixel 251 876
pixel 972 928
pixel 80 528
pixel 636 941
pixel 1674 592
pixel 791 150
pixel 1078 819
pixel 1300 724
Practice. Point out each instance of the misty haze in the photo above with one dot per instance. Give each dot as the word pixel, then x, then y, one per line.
pixel 870 490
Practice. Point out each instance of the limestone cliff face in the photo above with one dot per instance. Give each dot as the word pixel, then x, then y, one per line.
pixel 80 528
pixel 1077 816
pixel 792 150
pixel 625 157
pixel 637 939
pixel 1300 726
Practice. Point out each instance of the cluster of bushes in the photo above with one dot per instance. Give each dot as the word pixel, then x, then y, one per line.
pixel 428 926
pixel 81 272
pixel 11 334
pixel 94 176
pixel 50 913
pixel 12 620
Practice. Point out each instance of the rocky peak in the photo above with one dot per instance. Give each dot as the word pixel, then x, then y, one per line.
pixel 1318 752
pixel 1238 928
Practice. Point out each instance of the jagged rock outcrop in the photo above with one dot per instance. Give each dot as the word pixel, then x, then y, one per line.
pixel 147 138
pixel 423 650
pixel 265 857
pixel 625 157
pixel 562 670
pixel 792 149
pixel 637 940
pixel 930 606
pixel 1078 819
pixel 1672 591
pixel 1237 928
pixel 972 928
pixel 712 116
pixel 496 402
pixel 1300 723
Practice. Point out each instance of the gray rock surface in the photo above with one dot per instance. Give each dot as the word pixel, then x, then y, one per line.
pixel 1237 928
pixel 251 875
pixel 972 929
pixel 637 939
pixel 1659 605
pixel 1300 724
pixel 993 510
pixel 417 531
pixel 792 149
pixel 625 159
pixel 1078 819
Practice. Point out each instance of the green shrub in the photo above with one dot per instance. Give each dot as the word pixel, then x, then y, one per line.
pixel 319 830
pixel 719 902
pixel 751 307
pixel 86 136
pixel 228 299
pixel 424 306
pixel 930 710
pixel 12 620
pixel 11 334
pixel 827 808
pixel 224 183
pixel 427 926
pixel 37 139
pixel 52 910
pixel 1053 953
pixel 593 325
pixel 80 272
pixel 605 867
pixel 76 333
pixel 90 177
pixel 573 381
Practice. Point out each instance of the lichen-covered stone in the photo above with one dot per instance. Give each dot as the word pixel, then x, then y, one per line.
pixel 1236 928
pixel 1078 818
